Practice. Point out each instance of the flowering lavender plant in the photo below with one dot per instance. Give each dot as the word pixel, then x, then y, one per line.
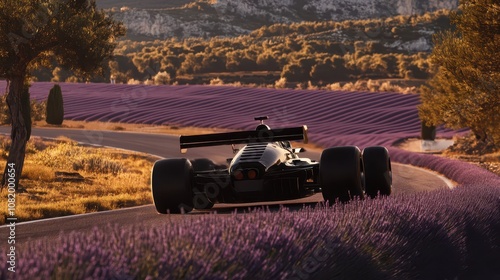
pixel 436 235
pixel 445 234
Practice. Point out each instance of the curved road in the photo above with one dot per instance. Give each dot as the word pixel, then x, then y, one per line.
pixel 406 179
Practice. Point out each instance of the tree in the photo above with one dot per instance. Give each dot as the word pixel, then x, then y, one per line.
pixel 59 75
pixel 465 91
pixel 340 72
pixel 294 73
pixel 162 78
pixel 55 106
pixel 33 33
pixel 267 62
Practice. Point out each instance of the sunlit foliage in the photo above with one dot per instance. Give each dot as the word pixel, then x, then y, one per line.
pixel 465 91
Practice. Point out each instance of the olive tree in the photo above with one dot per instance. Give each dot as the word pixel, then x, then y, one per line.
pixel 73 33
pixel 465 91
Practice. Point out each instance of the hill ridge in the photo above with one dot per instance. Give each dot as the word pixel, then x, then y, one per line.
pixel 208 18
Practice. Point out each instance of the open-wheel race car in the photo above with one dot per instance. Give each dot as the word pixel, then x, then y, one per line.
pixel 267 168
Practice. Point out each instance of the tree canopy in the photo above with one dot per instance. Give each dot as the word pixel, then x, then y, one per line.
pixel 465 91
pixel 71 33
pixel 383 52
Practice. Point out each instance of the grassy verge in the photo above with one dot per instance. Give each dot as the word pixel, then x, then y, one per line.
pixel 143 128
pixel 110 179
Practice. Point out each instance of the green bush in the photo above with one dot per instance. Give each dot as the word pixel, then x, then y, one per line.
pixel 55 106
pixel 37 110
pixel 4 112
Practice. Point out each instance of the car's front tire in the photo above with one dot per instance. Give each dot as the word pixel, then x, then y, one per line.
pixel 377 170
pixel 171 186
pixel 340 174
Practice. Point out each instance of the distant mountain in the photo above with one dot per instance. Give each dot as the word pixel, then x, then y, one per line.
pixel 155 19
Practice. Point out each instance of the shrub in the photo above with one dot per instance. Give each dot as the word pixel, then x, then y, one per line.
pixel 281 83
pixel 98 165
pixel 55 107
pixel 4 111
pixel 133 82
pixel 371 85
pixel 37 110
pixel 162 78
pixel 216 82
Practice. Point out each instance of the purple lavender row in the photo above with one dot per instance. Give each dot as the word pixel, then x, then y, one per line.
pixel 354 118
pixel 435 235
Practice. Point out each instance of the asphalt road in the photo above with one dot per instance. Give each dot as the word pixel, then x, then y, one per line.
pixel 406 179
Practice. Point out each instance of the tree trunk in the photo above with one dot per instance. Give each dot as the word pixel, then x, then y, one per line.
pixel 18 135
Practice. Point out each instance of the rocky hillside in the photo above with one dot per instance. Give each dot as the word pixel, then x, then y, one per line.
pixel 208 18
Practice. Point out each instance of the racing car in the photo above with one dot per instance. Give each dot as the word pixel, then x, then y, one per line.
pixel 267 168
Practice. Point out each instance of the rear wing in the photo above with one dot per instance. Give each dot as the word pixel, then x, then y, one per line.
pixel 243 137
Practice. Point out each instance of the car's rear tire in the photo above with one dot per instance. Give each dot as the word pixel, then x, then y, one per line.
pixel 340 174
pixel 377 171
pixel 171 186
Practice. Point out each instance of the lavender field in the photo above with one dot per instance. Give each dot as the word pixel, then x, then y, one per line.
pixel 446 234
pixel 333 117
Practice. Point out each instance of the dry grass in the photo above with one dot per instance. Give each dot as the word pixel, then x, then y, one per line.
pixel 483 154
pixel 113 179
pixel 493 157
pixel 143 128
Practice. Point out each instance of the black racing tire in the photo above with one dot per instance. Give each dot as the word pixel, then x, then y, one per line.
pixel 377 170
pixel 201 200
pixel 340 174
pixel 171 186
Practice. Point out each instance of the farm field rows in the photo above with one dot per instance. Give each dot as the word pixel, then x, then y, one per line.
pixel 333 117
pixel 444 234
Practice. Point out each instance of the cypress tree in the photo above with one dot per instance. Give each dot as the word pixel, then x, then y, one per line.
pixel 55 106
